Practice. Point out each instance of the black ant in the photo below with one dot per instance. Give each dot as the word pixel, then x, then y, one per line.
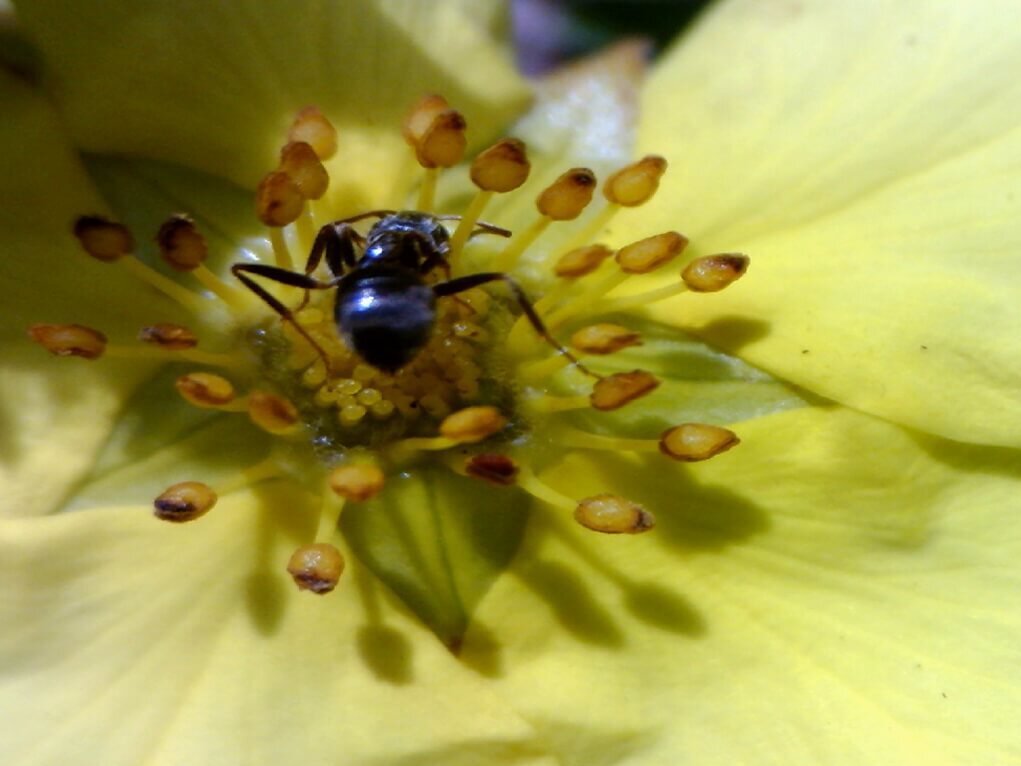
pixel 384 309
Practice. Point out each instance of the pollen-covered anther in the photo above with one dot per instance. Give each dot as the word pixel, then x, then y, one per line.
pixel 502 167
pixel 184 501
pixel 205 390
pixel 69 340
pixel 172 337
pixel 604 338
pixel 358 481
pixel 311 126
pixel 278 200
pixel 181 244
pixel 316 567
pixel 472 424
pixel 613 515
pixel 301 162
pixel 444 142
pixel 714 272
pixel 581 261
pixel 614 391
pixel 650 253
pixel 635 184
pixel 103 239
pixel 692 442
pixel 493 468
pixel 273 413
pixel 568 196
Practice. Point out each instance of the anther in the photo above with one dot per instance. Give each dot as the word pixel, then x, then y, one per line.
pixel 714 272
pixel 272 413
pixel 502 167
pixel 358 481
pixel 635 184
pixel 692 442
pixel 581 261
pixel 181 245
pixel 443 144
pixel 613 515
pixel 278 200
pixel 169 336
pixel 103 239
pixel 316 567
pixel 614 391
pixel 565 198
pixel 184 501
pixel 300 161
pixel 472 424
pixel 495 469
pixel 650 253
pixel 604 338
pixel 311 126
pixel 69 340
pixel 205 390
pixel 420 117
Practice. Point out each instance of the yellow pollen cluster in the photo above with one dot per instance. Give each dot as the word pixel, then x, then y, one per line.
pixel 475 386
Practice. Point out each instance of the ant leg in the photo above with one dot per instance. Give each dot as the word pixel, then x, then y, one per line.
pixel 336 241
pixel 284 277
pixel 474 280
pixel 481 227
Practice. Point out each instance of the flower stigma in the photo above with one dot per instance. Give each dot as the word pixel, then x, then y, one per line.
pixel 371 341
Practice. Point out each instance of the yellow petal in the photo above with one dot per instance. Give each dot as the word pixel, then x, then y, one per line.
pixel 54 413
pixel 866 156
pixel 214 87
pixel 130 641
pixel 832 591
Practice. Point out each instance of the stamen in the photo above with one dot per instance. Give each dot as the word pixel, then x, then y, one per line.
pixel 614 391
pixel 278 200
pixel 184 248
pixel 103 239
pixel 563 200
pixel 472 424
pixel 205 390
pixel 714 272
pixel 630 186
pixel 568 196
pixel 181 245
pixel 316 567
pixel 273 413
pixel 311 126
pixel 300 161
pixel 441 145
pixel 613 515
pixel 493 468
pixel 420 117
pixel 357 482
pixel 184 502
pixel 501 168
pixel 581 261
pixel 605 338
pixel 692 442
pixel 650 253
pixel 281 253
pixel 69 340
pixel 635 184
pixel 172 337
pixel 108 241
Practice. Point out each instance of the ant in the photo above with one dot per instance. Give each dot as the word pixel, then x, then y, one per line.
pixel 384 309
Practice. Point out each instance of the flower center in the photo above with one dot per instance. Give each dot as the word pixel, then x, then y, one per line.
pixel 399 335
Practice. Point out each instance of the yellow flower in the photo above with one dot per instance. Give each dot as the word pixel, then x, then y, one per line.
pixel 841 588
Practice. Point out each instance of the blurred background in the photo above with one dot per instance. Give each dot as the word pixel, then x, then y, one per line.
pixel 549 32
